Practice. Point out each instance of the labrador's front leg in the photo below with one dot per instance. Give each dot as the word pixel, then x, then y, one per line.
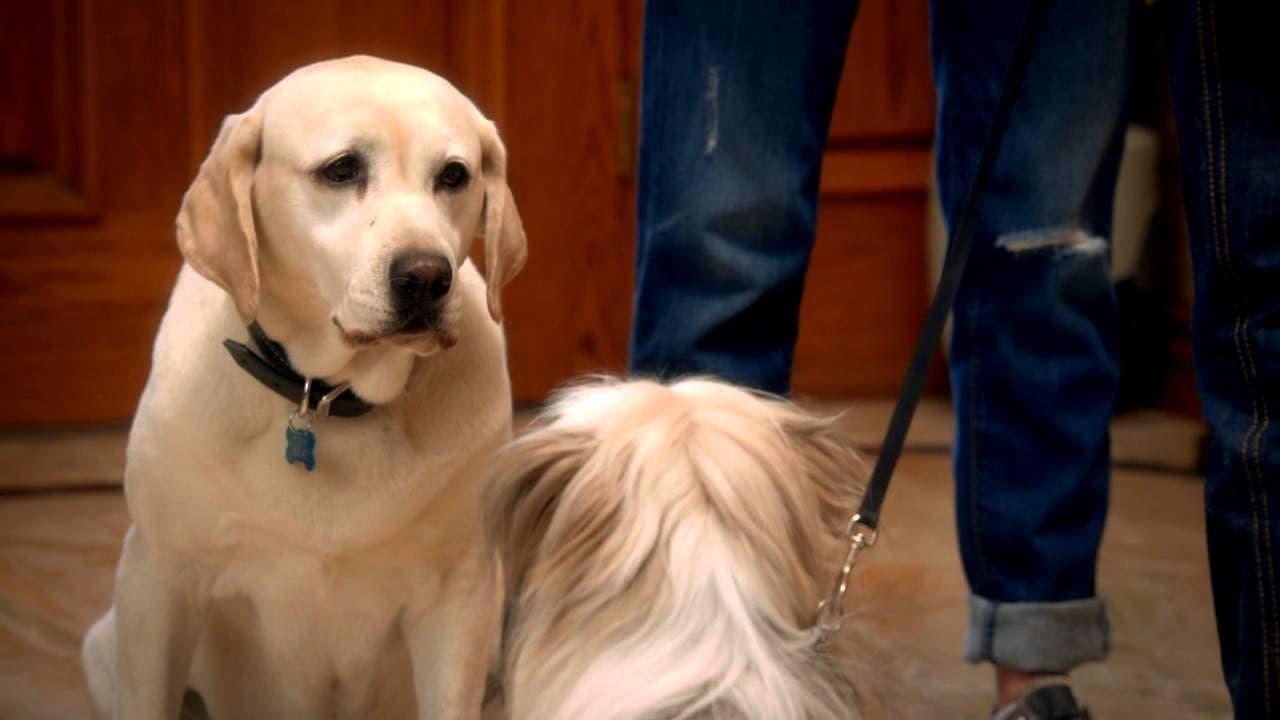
pixel 452 639
pixel 159 606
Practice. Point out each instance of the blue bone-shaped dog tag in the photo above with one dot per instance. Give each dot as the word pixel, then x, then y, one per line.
pixel 300 447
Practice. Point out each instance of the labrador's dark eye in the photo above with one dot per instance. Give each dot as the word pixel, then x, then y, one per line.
pixel 345 169
pixel 453 176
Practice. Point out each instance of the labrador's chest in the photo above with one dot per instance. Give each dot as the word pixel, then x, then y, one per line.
pixel 295 634
pixel 370 479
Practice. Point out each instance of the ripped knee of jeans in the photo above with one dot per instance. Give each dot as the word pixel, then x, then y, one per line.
pixel 713 110
pixel 1064 238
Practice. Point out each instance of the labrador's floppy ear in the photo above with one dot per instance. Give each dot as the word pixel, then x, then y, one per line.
pixel 505 249
pixel 215 223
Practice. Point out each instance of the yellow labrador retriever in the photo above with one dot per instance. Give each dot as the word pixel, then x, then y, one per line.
pixel 306 467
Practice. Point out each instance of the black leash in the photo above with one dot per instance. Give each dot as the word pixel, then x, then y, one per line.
pixel 863 526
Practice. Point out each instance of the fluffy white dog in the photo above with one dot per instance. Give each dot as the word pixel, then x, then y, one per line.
pixel 285 562
pixel 665 548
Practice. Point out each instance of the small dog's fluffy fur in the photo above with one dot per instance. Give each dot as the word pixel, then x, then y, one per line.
pixel 665 547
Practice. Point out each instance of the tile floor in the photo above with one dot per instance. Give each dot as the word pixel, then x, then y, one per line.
pixel 58 551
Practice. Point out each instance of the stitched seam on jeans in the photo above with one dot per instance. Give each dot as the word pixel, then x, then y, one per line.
pixel 1217 208
pixel 1252 379
pixel 1218 256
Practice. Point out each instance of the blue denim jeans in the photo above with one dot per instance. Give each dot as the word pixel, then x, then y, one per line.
pixel 736 99
pixel 1035 331
pixel 1227 108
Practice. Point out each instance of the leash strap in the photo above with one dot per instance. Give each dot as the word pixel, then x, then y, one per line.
pixel 272 369
pixel 863 526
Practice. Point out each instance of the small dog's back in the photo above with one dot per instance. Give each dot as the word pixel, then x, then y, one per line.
pixel 665 549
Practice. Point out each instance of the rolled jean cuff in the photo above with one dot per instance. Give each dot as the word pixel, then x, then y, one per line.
pixel 1037 636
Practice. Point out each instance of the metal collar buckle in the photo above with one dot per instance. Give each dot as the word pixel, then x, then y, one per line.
pixel 301 418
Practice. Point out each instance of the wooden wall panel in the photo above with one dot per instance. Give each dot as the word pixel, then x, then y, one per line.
pixel 558 85
pixel 45 153
pixel 886 91
pixel 867 293
pixel 82 289
pixel 237 49
pixel 864 297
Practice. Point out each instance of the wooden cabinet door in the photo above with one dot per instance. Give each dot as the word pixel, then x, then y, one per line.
pixel 867 289
pixel 560 79
pixel 94 153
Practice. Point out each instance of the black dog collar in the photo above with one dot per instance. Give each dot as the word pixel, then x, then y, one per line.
pixel 273 370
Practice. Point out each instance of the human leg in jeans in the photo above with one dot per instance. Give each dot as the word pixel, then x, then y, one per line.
pixel 1033 356
pixel 1227 107
pixel 736 98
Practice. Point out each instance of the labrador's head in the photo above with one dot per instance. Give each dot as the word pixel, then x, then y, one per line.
pixel 352 189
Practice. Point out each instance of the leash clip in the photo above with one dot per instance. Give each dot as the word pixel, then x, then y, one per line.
pixel 831 610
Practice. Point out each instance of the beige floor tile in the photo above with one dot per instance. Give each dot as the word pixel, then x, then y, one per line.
pixel 57 565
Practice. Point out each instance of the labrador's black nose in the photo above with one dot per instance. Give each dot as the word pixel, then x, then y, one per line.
pixel 418 281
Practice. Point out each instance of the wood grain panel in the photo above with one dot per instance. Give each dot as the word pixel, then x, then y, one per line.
pixel 865 297
pixel 866 292
pixel 477 50
pixel 875 170
pixel 79 302
pixel 45 154
pixel 570 309
pixel 237 49
pixel 886 91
